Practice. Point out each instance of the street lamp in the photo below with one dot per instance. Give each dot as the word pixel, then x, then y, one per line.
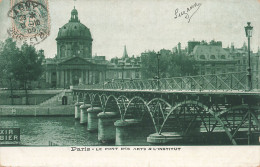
pixel 248 30
pixel 158 70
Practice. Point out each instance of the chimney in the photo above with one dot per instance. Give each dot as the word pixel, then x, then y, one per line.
pixel 179 47
pixel 232 47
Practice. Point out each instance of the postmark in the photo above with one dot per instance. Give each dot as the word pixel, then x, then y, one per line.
pixel 30 21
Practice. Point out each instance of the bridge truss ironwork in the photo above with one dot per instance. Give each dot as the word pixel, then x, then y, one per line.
pixel 188 105
pixel 225 82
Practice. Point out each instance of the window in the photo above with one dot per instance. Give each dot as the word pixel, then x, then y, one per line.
pixel 62 51
pixel 212 57
pixel 223 57
pixel 128 74
pixel 137 75
pixel 202 56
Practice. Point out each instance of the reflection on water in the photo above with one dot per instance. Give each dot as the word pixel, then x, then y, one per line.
pixel 63 131
pixel 66 131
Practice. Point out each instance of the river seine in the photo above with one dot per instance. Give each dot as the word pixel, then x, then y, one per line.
pixel 66 131
pixel 62 131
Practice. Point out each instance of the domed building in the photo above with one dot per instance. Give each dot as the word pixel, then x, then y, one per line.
pixel 74 38
pixel 73 63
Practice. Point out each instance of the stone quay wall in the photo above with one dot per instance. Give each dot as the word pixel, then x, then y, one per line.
pixel 21 110
pixel 34 96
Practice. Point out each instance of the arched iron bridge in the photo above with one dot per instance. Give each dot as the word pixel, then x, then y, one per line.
pixel 211 102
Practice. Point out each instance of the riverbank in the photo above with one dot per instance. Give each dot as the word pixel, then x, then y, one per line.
pixel 18 97
pixel 36 110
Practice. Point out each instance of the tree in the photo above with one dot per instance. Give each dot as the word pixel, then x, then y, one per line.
pixel 27 66
pixel 19 64
pixel 8 52
pixel 170 65
pixel 185 65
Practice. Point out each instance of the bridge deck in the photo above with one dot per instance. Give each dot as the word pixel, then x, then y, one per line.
pixel 217 92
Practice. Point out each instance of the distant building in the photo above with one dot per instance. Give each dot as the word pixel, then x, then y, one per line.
pixel 191 45
pixel 73 63
pixel 241 56
pixel 212 58
pixel 124 68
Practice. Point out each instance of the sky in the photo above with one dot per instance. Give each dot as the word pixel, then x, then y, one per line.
pixel 149 24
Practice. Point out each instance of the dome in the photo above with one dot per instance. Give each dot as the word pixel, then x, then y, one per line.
pixel 74 11
pixel 74 29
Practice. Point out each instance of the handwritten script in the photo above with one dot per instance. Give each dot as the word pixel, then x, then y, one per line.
pixel 189 12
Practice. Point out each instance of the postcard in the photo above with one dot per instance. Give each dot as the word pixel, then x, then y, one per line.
pixel 130 83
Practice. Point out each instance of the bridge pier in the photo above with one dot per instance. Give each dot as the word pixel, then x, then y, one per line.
pixel 83 113
pixel 93 118
pixel 77 109
pixel 106 128
pixel 126 130
pixel 201 109
pixel 165 137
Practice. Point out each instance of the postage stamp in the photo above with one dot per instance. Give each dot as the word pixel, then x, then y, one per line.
pixel 30 21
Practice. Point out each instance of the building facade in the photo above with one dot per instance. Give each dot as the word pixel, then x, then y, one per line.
pixel 125 68
pixel 73 64
pixel 212 58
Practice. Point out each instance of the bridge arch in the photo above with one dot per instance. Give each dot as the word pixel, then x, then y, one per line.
pixel 204 108
pixel 249 115
pixel 159 99
pixel 87 98
pixel 109 103
pixel 96 101
pixel 145 109
pixel 103 99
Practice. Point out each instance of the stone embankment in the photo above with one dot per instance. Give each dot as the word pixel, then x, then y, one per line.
pixel 36 110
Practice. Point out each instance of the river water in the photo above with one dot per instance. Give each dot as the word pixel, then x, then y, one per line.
pixel 66 131
pixel 63 131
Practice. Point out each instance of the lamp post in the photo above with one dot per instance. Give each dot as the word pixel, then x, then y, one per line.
pixel 248 30
pixel 158 70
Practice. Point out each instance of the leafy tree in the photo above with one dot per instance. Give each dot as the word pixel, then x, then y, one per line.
pixel 170 65
pixel 27 66
pixel 20 64
pixel 8 53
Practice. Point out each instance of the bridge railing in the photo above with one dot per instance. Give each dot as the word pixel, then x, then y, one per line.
pixel 225 81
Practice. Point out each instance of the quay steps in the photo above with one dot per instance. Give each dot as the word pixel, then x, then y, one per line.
pixel 55 100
